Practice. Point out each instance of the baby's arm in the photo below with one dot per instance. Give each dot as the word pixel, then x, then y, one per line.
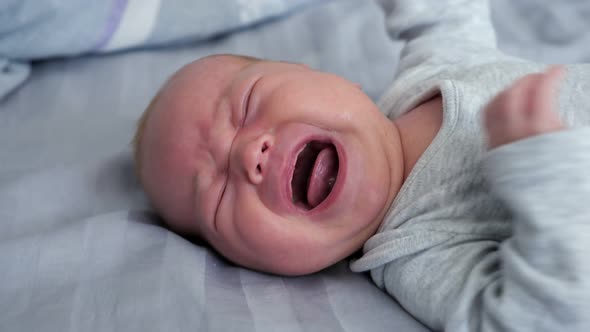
pixel 525 109
pixel 541 280
pixel 441 33
pixel 543 276
pixel 543 272
pixel 441 36
pixel 538 279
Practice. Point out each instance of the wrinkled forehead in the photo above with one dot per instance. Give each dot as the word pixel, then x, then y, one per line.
pixel 195 89
pixel 189 96
pixel 209 71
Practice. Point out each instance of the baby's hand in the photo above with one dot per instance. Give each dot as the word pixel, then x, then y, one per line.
pixel 525 109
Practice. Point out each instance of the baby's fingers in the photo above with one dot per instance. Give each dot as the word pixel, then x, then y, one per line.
pixel 542 96
pixel 525 109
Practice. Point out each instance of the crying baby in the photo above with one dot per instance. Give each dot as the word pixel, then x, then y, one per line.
pixel 279 167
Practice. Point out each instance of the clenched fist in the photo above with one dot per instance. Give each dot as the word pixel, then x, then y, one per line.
pixel 525 109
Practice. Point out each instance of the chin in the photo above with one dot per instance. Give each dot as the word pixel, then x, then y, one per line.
pixel 294 268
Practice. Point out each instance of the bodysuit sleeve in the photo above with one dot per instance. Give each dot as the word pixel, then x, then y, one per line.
pixel 440 36
pixel 542 277
pixel 538 279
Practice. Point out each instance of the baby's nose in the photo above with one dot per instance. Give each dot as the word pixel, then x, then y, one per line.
pixel 255 157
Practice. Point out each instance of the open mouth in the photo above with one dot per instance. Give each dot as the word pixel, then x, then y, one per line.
pixel 315 173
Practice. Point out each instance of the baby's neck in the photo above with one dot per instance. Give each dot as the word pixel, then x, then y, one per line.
pixel 417 128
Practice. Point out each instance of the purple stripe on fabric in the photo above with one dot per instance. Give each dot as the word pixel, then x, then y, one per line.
pixel 112 23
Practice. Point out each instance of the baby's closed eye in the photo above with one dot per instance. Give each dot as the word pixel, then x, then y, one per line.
pixel 247 105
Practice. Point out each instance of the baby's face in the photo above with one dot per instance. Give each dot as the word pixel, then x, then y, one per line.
pixel 279 167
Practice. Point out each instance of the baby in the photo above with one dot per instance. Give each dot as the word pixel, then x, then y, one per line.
pixel 467 203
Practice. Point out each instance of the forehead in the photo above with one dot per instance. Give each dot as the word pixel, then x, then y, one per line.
pixel 204 76
pixel 196 88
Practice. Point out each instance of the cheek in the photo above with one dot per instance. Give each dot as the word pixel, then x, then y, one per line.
pixel 264 234
pixel 253 222
pixel 208 195
pixel 372 187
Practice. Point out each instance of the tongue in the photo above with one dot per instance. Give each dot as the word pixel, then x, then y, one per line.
pixel 322 176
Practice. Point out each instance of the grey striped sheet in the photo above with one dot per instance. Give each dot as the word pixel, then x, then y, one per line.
pixel 79 248
pixel 121 271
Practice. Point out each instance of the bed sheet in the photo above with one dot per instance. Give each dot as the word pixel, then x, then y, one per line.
pixel 80 249
pixel 40 29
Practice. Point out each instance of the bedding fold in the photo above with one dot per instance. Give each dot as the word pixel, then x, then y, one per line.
pixel 33 30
